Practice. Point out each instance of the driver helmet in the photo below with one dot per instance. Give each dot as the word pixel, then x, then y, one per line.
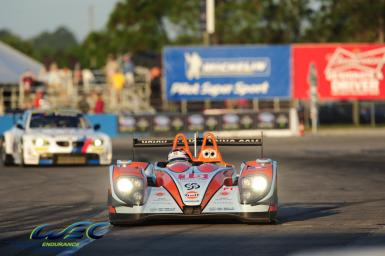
pixel 178 155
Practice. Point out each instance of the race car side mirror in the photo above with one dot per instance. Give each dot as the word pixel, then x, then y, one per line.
pixel 19 126
pixel 96 127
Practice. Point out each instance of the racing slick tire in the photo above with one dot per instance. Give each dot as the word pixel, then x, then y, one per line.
pixel 22 163
pixel 126 223
pixel 6 159
pixel 270 219
pixel 111 216
pixel 22 154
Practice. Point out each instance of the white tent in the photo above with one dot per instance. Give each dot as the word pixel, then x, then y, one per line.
pixel 14 63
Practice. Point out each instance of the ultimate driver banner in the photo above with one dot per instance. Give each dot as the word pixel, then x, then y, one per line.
pixel 228 72
pixel 339 71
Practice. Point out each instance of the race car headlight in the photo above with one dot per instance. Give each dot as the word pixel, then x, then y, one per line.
pixel 259 184
pixel 253 188
pixel 40 142
pixel 98 142
pixel 130 189
pixel 124 185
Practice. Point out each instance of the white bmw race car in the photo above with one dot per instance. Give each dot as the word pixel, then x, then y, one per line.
pixel 55 137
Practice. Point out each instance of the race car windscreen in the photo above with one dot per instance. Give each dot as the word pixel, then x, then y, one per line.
pixel 54 120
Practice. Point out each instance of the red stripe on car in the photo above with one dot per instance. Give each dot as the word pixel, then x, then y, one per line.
pixel 215 184
pixel 86 144
pixel 165 180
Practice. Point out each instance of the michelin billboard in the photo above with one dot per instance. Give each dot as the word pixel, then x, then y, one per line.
pixel 228 72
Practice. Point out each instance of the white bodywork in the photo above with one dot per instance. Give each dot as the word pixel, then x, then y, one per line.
pixel 20 143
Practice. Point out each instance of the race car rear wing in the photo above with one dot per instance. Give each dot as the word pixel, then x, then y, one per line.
pixel 167 142
pixel 197 141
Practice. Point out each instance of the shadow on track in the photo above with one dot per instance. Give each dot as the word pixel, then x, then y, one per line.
pixel 305 211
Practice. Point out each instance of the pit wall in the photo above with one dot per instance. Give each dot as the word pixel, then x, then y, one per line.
pixel 157 125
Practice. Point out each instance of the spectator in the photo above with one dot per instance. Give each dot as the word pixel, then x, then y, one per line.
pixel 118 80
pixel 83 105
pixel 27 80
pixel 128 70
pixel 66 86
pixel 87 77
pixel 38 98
pixel 99 104
pixel 111 67
pixel 155 98
pixel 117 85
pixel 53 77
pixel 43 75
pixel 77 76
pixel 54 84
pixel 242 103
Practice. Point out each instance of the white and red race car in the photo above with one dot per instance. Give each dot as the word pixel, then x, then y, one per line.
pixel 201 186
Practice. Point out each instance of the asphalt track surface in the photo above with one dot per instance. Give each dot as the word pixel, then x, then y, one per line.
pixel 331 193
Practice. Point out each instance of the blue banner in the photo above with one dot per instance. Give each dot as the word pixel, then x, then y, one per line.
pixel 228 72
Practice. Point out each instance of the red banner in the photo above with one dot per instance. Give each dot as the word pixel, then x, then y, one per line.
pixel 342 71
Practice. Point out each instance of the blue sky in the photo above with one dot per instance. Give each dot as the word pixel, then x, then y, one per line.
pixel 28 18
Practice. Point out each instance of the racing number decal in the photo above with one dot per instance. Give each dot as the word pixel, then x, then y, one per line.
pixel 190 186
pixel 201 176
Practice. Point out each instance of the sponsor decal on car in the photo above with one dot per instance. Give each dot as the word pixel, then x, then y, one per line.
pixel 220 209
pixel 191 195
pixel 190 186
pixel 226 191
pixel 201 176
pixel 159 194
pixel 162 209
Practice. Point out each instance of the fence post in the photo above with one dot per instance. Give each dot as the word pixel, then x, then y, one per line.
pixel 14 100
pixel 1 101
pixel 356 113
pixel 276 105
pixel 256 105
pixel 21 95
pixel 373 113
pixel 183 106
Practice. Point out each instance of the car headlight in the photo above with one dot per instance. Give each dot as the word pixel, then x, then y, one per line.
pixel 130 189
pixel 39 142
pixel 259 184
pixel 253 188
pixel 98 142
pixel 124 185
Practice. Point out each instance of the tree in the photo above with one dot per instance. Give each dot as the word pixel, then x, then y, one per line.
pixel 144 27
pixel 59 46
pixel 139 25
pixel 62 38
pixel 348 21
pixel 16 42
pixel 95 49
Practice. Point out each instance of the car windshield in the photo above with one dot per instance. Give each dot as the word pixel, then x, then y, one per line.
pixel 54 120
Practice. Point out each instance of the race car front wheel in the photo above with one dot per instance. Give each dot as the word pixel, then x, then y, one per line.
pixel 22 153
pixel 6 159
